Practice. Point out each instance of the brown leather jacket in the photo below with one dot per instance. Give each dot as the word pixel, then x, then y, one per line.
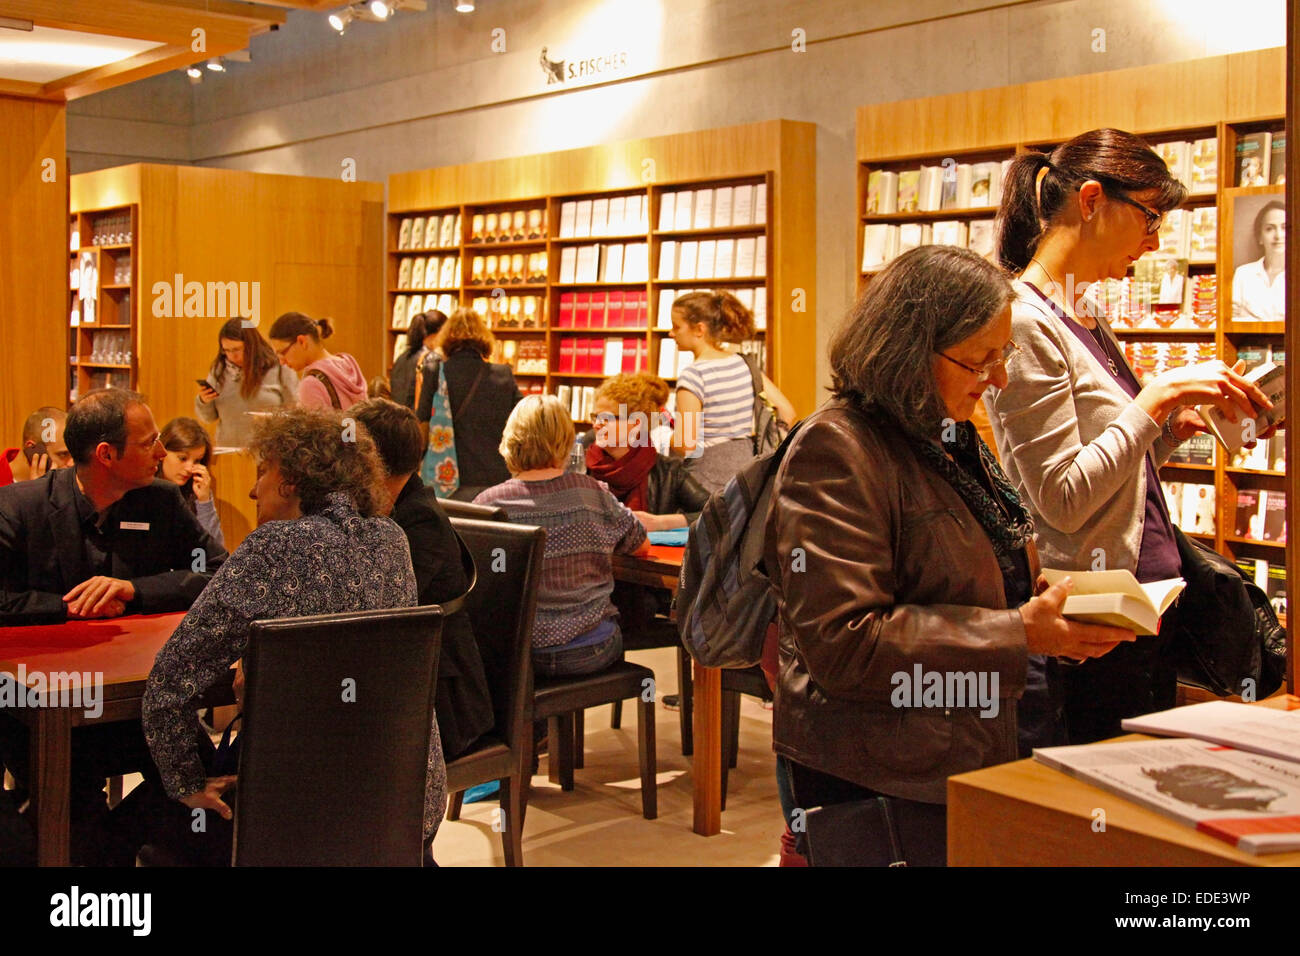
pixel 896 571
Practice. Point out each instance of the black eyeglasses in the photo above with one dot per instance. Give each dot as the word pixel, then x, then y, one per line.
pixel 984 371
pixel 1154 219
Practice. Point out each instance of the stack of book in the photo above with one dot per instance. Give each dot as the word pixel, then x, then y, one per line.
pixel 433 232
pixel 1152 358
pixel 1261 159
pixel 1192 506
pixel 624 215
pixel 613 262
pixel 724 207
pixel 933 188
pixel 603 355
pixel 511 311
pixel 1260 515
pixel 615 309
pixel 1195 164
pixel 741 258
pixel 753 299
pixel 579 399
pixel 884 241
pixel 407 307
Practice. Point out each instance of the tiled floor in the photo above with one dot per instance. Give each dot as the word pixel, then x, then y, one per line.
pixel 599 822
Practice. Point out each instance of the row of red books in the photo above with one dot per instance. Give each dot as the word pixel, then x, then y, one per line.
pixel 602 356
pixel 604 310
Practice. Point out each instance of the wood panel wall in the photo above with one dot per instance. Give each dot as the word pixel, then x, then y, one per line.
pixel 784 147
pixel 33 262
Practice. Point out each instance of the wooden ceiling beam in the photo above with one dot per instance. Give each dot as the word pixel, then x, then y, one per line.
pixel 138 19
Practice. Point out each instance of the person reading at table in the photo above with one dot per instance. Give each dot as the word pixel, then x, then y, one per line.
pixel 106 537
pixel 463 701
pixel 576 631
pixel 322 546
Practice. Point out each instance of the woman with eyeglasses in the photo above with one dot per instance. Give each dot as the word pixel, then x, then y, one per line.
pixel 245 377
pixel 1078 434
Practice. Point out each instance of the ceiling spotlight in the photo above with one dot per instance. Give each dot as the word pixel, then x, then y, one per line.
pixel 464 6
pixel 194 73
pixel 340 20
pixel 216 66
pixel 379 9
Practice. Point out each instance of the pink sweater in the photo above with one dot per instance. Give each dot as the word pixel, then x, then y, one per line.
pixel 346 375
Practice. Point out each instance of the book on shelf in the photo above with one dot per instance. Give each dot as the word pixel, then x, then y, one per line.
pixel 613 357
pixel 417 233
pixel 449 274
pixel 722 204
pixel 565 394
pixel 449 230
pixel 880 243
pixel 1274 505
pixel 665 314
pixel 582 310
pixel 667 358
pixel 536 224
pixel 417 274
pixel 1203 234
pixel 1174 234
pixel 913 234
pixel 909 186
pixel 1277 158
pixel 636 262
pixel 1116 598
pixel 477 227
pixel 1248 522
pixel 760 204
pixel 687 258
pixel 568 218
pixel 882 192
pixel 724 264
pixel 600 216
pixel 683 210
pixel 742 206
pixel 1254 154
pixel 980 237
pixel 617 224
pixel 667 211
pixel 569 264
pixel 1177 156
pixel 1270 378
pixel 404 274
pixel 491 227
pixel 399 312
pixel 432 226
pixel 704 262
pixel 638 213
pixel 1275 589
pixel 1197 511
pixel 703 214
pixel 611 263
pixel 986 184
pixel 1197 450
pixel 404 234
pixel 568 355
pixel 667 260
pixel 598 310
pixel 760 257
pixel 1203 169
pixel 519 226
pixel 746 257
pixel 929 188
pixel 588 267
pixel 759 309
pixel 399 346
pixel 1247 800
pixel 948 232
pixel 582 218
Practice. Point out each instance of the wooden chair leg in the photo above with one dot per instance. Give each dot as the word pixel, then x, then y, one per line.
pixel 512 813
pixel 553 749
pixel 616 715
pixel 579 738
pixel 733 732
pixel 454 805
pixel 686 700
pixel 730 718
pixel 562 748
pixel 645 732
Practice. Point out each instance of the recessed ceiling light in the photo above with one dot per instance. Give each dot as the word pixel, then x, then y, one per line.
pixel 379 9
pixel 194 73
pixel 216 66
pixel 464 6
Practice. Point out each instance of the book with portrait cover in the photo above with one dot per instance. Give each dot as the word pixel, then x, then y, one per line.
pixel 909 182
pixel 1203 171
pixel 1253 154
pixel 1277 159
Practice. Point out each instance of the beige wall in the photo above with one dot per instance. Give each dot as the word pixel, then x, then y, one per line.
pixel 428 91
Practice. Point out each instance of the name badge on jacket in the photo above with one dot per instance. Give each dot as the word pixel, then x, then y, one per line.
pixel 134 526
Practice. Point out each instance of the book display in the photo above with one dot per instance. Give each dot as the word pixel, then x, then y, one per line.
pixel 922 182
pixel 595 294
pixel 102 283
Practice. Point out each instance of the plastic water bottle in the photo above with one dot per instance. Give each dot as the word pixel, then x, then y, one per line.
pixel 578 459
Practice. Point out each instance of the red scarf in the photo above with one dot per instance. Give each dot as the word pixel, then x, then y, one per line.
pixel 625 476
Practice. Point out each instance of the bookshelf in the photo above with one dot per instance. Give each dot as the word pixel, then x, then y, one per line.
pixel 580 281
pixel 102 300
pixel 1215 106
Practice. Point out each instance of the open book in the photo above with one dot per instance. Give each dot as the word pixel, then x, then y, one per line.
pixel 1261 730
pixel 1116 598
pixel 1271 380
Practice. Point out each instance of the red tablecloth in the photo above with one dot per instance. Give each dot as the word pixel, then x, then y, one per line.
pixel 122 649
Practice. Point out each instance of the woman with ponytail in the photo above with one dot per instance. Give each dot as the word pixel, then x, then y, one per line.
pixel 328 380
pixel 1078 434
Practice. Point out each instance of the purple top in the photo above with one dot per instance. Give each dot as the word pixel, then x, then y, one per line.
pixel 1158 554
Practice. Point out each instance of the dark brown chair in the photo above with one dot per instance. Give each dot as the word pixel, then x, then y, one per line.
pixel 501 608
pixel 661 632
pixel 334 751
pixel 466 509
pixel 737 681
pixel 561 701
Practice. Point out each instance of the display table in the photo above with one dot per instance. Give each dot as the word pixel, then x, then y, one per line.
pixel 120 651
pixel 659 567
pixel 1027 814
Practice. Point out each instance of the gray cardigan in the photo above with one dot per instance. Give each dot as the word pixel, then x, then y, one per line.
pixel 1073 443
pixel 234 427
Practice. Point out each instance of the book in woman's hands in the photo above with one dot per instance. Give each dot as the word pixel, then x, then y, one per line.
pixel 1116 598
pixel 1270 378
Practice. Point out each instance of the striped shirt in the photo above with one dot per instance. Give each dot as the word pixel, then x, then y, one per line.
pixel 585 525
pixel 725 389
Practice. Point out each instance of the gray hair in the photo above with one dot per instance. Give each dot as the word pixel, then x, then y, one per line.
pixel 925 301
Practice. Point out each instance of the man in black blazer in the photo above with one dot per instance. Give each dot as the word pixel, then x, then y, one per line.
pixel 104 537
pixel 97 540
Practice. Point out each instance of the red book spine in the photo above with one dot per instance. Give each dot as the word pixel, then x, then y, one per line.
pixel 566 310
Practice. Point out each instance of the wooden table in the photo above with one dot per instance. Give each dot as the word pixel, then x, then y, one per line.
pixel 1027 814
pixel 659 567
pixel 120 651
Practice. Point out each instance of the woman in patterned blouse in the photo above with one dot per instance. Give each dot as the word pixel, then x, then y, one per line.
pixel 320 505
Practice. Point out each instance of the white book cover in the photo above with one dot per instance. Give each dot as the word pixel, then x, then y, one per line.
pixel 1203 235
pixel 760 204
pixel 417 274
pixel 979 237
pixel 1177 156
pixel 667 215
pixel 683 210
pixel 600 217
pixel 911 235
pixel 417 232
pixel 665 316
pixel 569 264
pixel 1174 234
pixel 667 260
pixel 703 216
pixel 399 346
pixel 1271 380
pixel 404 235
pixel 746 251
pixel 1203 167
pixel 568 218
pixel 725 262
pixel 431 227
pixel 636 262
pixel 882 192
pixel 760 309
pixel 399 312
pixel 722 200
pixel 446 303
pixel 637 215
pixel 565 394
pixel 705 262
pixel 430 303
pixel 963 185
pixel 582 218
pixel 575 406
pixel 930 188
pixel 687 254
pixel 948 232
pixel 667 358
pixel 449 274
pixel 746 297
pixel 450 231
pixel 1262 730
pixel 611 263
pixel 1248 800
pixel 742 206
pixel 432 271
pixel 985 184
pixel 613 356
pixel 404 274
pixel 760 256
pixel 875 244
pixel 588 268
pixel 1116 598
pixel 617 225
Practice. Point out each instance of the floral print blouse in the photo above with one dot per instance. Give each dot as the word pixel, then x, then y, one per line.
pixel 328 562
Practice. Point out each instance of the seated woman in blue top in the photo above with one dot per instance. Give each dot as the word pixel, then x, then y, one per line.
pixel 189 453
pixel 322 546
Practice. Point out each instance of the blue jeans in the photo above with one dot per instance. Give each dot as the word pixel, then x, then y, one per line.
pixel 570 661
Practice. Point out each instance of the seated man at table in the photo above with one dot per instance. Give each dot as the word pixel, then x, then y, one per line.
pixel 464 703
pixel 105 537
pixel 42 450
pixel 101 539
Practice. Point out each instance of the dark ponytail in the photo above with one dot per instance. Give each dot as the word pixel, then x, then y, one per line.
pixel 293 324
pixel 1118 160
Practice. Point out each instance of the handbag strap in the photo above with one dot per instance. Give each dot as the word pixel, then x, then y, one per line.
pixel 470 394
pixel 329 386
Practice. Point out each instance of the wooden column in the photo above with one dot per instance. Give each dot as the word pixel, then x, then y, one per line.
pixel 1292 312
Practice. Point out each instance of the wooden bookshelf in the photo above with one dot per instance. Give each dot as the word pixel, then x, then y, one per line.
pixel 102 261
pixel 772 160
pixel 1217 98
